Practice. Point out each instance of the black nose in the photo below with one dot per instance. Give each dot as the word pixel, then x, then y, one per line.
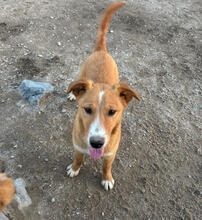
pixel 97 142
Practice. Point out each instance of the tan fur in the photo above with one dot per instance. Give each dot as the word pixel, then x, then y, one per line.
pixel 78 160
pixel 99 73
pixel 7 190
pixel 100 43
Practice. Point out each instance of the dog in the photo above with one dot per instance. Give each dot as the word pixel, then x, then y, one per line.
pixel 7 190
pixel 101 100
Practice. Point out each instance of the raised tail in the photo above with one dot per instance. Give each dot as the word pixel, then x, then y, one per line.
pixel 100 43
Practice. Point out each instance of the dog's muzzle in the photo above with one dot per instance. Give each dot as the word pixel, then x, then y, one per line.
pixel 97 142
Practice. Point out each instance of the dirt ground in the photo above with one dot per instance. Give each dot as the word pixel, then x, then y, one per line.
pixel 158 48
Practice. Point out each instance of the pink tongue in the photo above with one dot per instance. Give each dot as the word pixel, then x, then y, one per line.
pixel 96 153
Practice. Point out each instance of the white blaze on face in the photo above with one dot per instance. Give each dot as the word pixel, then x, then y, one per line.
pixel 96 129
pixel 100 96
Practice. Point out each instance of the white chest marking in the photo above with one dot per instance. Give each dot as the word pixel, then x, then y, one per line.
pixel 109 154
pixel 82 150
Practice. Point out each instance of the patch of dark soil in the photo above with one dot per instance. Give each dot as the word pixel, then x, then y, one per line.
pixel 2 166
pixel 7 30
pixel 162 29
pixel 132 23
pixel 30 66
pixel 27 66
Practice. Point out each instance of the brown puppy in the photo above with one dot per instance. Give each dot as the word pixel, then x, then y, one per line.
pixel 7 190
pixel 101 101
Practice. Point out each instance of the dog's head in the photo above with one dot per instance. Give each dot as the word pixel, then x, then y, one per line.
pixel 100 108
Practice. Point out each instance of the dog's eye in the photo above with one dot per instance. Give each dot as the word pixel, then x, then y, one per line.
pixel 111 112
pixel 88 110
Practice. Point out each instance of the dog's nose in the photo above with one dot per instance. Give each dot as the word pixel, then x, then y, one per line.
pixel 97 142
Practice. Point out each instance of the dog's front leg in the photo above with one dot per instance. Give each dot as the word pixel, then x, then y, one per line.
pixel 73 169
pixel 107 179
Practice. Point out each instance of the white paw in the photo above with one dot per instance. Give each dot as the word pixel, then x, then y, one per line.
pixel 71 172
pixel 71 96
pixel 108 184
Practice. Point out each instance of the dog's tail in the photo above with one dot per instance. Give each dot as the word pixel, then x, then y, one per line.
pixel 100 43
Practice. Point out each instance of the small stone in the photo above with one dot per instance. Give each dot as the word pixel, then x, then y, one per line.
pixel 59 43
pixel 46 159
pixel 19 165
pixel 3 217
pixel 143 190
pixel 111 31
pixel 21 195
pixel 103 213
pixel 12 156
pixel 15 146
pixel 34 91
pixel 64 110
pixel 53 200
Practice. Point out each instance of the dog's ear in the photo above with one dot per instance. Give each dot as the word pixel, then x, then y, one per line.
pixel 126 93
pixel 79 87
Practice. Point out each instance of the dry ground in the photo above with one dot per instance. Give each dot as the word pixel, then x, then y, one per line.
pixel 158 169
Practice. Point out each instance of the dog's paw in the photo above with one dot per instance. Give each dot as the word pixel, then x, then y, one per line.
pixel 108 184
pixel 71 172
pixel 71 96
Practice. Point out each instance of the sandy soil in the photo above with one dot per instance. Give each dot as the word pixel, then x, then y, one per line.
pixel 157 46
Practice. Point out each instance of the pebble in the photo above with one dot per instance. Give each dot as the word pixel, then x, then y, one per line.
pixel 59 43
pixel 3 217
pixel 94 173
pixel 46 159
pixel 33 91
pixel 103 213
pixel 64 110
pixel 21 195
pixel 53 200
pixel 12 156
